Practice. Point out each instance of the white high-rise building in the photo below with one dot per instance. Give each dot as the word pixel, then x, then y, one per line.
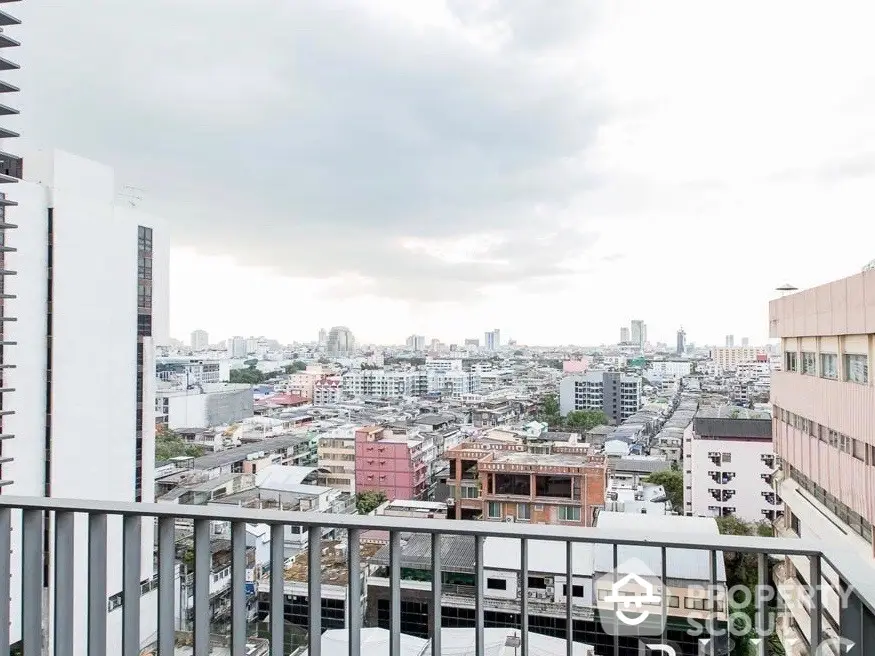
pixel 84 266
pixel 416 342
pixel 236 347
pixel 200 340
pixel 639 333
pixel 492 339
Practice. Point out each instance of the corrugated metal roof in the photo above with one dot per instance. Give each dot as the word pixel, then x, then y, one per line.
pixel 457 552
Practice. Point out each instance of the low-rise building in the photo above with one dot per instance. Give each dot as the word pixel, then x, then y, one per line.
pixel 729 465
pixel 509 481
pixel 616 394
pixel 390 463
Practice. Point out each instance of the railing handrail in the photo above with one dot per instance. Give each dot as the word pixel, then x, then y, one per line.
pixel 561 533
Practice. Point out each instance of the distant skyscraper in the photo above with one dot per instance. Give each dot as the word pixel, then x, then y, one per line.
pixel 682 342
pixel 745 341
pixel 200 340
pixel 340 341
pixel 237 347
pixel 492 339
pixel 624 335
pixel 416 342
pixel 323 336
pixel 639 333
pixel 730 341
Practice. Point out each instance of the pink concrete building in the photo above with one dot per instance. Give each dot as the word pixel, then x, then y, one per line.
pixel 390 463
pixel 577 366
pixel 824 430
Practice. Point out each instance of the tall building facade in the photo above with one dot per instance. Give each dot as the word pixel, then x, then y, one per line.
pixel 492 339
pixel 200 340
pixel 83 267
pixel 236 347
pixel 616 394
pixel 10 171
pixel 730 341
pixel 340 341
pixel 682 342
pixel 416 342
pixel 729 357
pixel 323 337
pixel 824 424
pixel 639 333
pixel 624 335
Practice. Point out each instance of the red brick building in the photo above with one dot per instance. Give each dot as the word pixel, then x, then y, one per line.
pixel 509 482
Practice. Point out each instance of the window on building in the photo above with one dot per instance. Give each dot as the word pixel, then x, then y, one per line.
pixel 790 363
pixel 576 590
pixel 494 509
pixel 809 363
pixel 856 368
pixel 496 584
pixel 537 583
pixel 727 457
pixel 674 601
pixel 694 604
pixel 523 511
pixel 569 513
pixel 829 365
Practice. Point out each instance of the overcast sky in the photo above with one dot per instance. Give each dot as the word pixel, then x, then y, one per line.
pixel 442 167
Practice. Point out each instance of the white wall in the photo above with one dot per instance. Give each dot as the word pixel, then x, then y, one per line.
pixel 93 354
pixel 747 466
pixel 187 411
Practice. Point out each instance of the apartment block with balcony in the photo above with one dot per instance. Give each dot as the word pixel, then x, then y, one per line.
pixel 512 482
pixel 394 464
pixel 616 394
pixel 824 427
pixel 336 452
pixel 729 465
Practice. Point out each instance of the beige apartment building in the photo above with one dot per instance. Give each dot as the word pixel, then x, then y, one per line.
pixel 336 453
pixel 824 431
pixel 727 357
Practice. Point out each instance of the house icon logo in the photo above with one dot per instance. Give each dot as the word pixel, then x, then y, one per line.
pixel 632 602
pixel 629 600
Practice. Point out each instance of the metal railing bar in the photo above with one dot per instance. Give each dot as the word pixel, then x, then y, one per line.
pixel 166 585
pixel 436 594
pixel 202 573
pixel 354 600
pixel 238 588
pixel 705 542
pixel 64 562
pixel 97 584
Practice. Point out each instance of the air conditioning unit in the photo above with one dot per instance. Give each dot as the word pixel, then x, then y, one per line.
pixel 549 590
pixel 510 519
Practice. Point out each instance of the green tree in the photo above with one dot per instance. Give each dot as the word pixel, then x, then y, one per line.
pixel 551 405
pixel 585 420
pixel 366 502
pixel 248 375
pixel 169 444
pixel 294 367
pixel 673 482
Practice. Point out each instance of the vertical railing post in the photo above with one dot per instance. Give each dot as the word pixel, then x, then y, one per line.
pixel 131 585
pixel 354 595
pixel 62 635
pixel 712 601
pixel 760 598
pixel 524 597
pixel 569 598
pixel 238 587
pixel 814 582
pixel 394 593
pixel 616 618
pixel 97 601
pixel 202 573
pixel 480 582
pixel 314 588
pixel 5 573
pixel 166 585
pixel 32 583
pixel 436 593
pixel 277 589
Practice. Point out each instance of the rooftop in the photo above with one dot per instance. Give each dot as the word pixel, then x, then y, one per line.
pixel 334 565
pixel 550 460
pixel 229 456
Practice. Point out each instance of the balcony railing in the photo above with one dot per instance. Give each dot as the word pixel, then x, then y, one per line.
pixel 27 516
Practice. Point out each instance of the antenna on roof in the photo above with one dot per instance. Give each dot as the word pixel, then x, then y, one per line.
pixel 786 288
pixel 133 195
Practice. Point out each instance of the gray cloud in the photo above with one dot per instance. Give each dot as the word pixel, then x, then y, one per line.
pixel 310 137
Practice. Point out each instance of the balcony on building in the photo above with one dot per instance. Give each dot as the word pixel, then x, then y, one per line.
pixel 222 579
